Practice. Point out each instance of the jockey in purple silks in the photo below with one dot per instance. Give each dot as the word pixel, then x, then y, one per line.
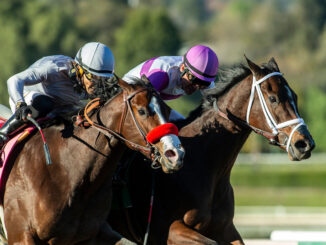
pixel 175 76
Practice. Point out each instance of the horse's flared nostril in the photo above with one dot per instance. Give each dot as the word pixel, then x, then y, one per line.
pixel 301 146
pixel 169 154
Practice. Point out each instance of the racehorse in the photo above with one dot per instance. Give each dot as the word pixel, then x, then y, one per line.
pixel 196 204
pixel 67 202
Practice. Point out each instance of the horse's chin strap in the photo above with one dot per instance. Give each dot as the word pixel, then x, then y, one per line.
pixel 274 126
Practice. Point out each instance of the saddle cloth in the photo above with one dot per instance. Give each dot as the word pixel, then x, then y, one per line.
pixel 5 165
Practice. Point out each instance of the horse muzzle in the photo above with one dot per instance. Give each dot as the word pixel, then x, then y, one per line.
pixel 173 153
pixel 169 151
pixel 301 144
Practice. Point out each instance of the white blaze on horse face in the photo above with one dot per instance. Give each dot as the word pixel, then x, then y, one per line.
pixel 289 92
pixel 170 141
pixel 154 106
pixel 173 151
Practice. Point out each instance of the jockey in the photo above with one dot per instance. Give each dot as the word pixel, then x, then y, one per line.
pixel 175 76
pixel 56 81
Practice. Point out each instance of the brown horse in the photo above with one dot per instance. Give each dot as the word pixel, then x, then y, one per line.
pixel 67 202
pixel 196 204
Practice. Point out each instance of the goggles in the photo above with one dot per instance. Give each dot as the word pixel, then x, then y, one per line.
pixel 195 80
pixel 92 78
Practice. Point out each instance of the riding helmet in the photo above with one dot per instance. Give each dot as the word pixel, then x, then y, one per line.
pixel 96 58
pixel 202 62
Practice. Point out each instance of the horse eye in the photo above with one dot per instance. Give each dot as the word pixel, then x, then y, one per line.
pixel 141 112
pixel 272 99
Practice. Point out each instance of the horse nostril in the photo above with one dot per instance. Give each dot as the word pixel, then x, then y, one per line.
pixel 300 145
pixel 169 153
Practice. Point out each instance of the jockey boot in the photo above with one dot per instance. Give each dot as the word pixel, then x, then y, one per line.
pixel 10 126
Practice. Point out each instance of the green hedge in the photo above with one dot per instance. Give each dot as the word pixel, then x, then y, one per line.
pixel 286 185
pixel 289 175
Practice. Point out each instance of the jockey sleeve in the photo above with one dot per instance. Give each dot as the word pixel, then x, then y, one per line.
pixel 47 76
pixel 164 74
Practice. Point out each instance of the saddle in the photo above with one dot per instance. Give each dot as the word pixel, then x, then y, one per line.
pixel 21 135
pixel 16 138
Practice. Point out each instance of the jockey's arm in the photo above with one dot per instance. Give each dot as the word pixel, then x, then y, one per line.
pixel 16 83
pixel 159 79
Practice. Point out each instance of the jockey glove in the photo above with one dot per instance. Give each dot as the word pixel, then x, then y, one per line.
pixel 22 110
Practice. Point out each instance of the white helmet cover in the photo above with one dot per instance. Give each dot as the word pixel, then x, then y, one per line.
pixel 96 58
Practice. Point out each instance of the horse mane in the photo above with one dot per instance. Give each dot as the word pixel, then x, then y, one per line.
pixel 106 89
pixel 136 81
pixel 226 78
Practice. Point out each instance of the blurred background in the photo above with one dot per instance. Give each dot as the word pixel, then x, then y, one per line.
pixel 271 192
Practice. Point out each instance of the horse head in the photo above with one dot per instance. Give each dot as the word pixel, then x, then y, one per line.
pixel 272 96
pixel 145 127
pixel 260 98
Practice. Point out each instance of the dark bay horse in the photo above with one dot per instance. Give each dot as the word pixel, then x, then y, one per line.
pixel 196 204
pixel 67 202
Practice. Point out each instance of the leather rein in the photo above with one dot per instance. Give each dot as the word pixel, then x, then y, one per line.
pixel 230 117
pixel 109 132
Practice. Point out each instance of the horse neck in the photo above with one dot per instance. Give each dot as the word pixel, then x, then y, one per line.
pixel 103 153
pixel 218 139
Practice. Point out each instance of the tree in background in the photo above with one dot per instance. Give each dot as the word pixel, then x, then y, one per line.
pixel 30 30
pixel 310 18
pixel 145 34
pixel 97 20
pixel 13 47
pixel 36 28
pixel 257 28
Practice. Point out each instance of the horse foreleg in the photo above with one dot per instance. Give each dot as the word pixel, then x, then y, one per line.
pixel 25 239
pixel 232 235
pixel 179 233
pixel 238 242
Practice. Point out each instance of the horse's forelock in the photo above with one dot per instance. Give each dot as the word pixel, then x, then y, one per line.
pixel 106 89
pixel 271 66
pixel 135 81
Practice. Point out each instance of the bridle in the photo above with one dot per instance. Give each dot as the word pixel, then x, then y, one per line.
pixel 109 132
pixel 273 125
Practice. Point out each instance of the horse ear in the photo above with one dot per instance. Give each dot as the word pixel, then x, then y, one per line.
pixel 145 79
pixel 273 64
pixel 255 69
pixel 124 85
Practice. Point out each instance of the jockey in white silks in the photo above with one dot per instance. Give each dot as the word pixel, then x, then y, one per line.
pixel 56 81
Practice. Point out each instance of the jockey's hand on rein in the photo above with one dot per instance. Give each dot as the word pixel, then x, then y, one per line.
pixel 22 110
